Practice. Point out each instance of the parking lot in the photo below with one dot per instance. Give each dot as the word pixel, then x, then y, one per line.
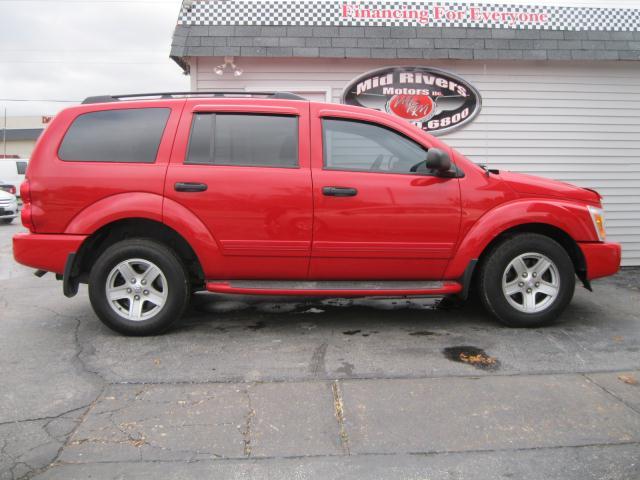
pixel 280 388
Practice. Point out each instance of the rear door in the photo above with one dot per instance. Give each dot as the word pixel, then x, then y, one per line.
pixel 374 217
pixel 242 167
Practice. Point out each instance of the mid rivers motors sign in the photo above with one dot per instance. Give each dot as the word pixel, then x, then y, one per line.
pixel 434 100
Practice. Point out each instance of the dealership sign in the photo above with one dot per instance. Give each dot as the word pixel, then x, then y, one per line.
pixel 434 100
pixel 411 13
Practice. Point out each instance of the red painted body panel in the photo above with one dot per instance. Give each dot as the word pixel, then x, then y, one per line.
pixel 114 208
pixel 261 217
pixel 397 226
pixel 45 252
pixel 533 186
pixel 61 190
pixel 275 223
pixel 373 268
pixel 191 228
pixel 570 217
pixel 448 288
pixel 603 259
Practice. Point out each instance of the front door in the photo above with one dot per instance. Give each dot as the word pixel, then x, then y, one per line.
pixel 374 217
pixel 242 167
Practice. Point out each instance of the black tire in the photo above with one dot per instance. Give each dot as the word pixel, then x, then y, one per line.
pixel 7 221
pixel 494 266
pixel 177 283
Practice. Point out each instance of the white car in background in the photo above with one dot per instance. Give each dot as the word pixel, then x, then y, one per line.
pixel 12 170
pixel 8 207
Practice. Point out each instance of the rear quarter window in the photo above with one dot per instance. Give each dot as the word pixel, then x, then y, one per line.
pixel 123 136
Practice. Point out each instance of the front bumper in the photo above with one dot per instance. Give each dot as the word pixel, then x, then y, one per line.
pixel 45 251
pixel 10 211
pixel 602 259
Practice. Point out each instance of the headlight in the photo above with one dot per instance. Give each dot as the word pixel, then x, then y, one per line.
pixel 597 215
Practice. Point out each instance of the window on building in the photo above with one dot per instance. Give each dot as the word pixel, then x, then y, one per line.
pixel 244 140
pixel 131 135
pixel 365 147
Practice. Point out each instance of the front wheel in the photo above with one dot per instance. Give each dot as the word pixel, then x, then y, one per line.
pixel 138 287
pixel 527 281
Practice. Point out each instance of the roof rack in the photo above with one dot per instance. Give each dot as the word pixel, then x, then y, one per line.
pixel 169 95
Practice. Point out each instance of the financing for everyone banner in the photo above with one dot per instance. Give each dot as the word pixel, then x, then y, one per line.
pixel 409 13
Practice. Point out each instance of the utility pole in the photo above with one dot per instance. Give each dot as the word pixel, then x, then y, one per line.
pixel 4 133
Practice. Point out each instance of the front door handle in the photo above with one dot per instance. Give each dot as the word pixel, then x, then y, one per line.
pixel 190 187
pixel 339 191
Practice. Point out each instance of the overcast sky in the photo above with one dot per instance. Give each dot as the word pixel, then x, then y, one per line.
pixel 71 49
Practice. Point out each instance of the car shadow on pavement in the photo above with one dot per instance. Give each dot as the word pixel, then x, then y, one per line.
pixel 256 313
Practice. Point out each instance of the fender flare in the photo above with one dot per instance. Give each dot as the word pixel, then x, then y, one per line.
pixel 113 208
pixel 153 207
pixel 196 233
pixel 572 218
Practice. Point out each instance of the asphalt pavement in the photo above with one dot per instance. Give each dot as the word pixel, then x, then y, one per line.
pixel 264 388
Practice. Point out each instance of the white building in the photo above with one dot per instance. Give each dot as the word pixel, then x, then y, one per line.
pixel 19 135
pixel 560 85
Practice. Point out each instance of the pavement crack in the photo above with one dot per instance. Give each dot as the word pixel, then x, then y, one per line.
pixel 609 392
pixel 50 417
pixel 132 437
pixel 338 405
pixel 246 431
pixel 69 436
pixel 78 355
pixel 317 366
pixel 15 467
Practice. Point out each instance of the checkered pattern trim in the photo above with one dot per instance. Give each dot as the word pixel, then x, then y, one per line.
pixel 408 13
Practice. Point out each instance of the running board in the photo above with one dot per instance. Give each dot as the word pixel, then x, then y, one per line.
pixel 335 288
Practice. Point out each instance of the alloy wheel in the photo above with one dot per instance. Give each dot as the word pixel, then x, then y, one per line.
pixel 136 289
pixel 531 282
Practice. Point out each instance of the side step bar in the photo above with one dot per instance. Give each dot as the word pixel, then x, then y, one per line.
pixel 335 288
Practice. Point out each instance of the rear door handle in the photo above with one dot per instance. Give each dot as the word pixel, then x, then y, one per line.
pixel 190 187
pixel 339 191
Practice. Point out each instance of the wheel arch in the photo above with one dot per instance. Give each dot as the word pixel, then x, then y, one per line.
pixel 125 228
pixel 559 235
pixel 565 221
pixel 114 208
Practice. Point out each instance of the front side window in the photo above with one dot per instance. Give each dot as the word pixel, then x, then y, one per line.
pixel 128 136
pixel 365 147
pixel 244 140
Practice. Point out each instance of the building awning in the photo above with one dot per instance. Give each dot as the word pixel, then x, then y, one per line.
pixel 20 134
pixel 408 29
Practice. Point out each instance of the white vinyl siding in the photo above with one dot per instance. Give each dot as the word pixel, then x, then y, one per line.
pixel 577 122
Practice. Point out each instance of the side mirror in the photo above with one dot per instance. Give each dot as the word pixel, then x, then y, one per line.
pixel 438 160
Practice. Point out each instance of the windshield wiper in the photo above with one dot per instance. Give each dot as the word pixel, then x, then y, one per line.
pixel 487 169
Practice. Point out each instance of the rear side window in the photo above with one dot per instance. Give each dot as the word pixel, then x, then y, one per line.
pixel 130 136
pixel 21 167
pixel 244 140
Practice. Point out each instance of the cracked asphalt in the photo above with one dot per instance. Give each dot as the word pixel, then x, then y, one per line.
pixel 269 388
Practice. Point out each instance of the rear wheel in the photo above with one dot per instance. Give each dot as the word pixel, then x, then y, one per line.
pixel 527 281
pixel 138 287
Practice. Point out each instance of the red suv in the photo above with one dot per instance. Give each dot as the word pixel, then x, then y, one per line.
pixel 151 198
